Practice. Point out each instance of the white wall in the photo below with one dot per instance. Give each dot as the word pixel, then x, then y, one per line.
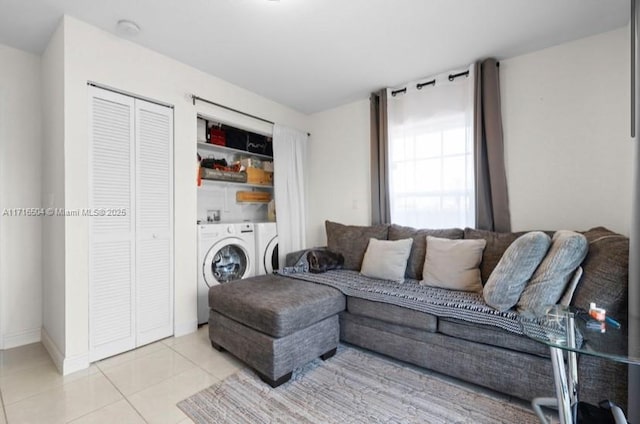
pixel 53 243
pixel 20 236
pixel 94 55
pixel 566 128
pixel 339 172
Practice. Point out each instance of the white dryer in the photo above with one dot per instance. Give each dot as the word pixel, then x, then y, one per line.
pixel 266 248
pixel 226 252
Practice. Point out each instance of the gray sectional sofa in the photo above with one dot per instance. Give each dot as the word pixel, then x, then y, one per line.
pixel 455 333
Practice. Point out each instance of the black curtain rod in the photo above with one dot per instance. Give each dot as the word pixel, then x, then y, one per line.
pixel 424 84
pixel 195 98
pixel 420 85
pixel 461 74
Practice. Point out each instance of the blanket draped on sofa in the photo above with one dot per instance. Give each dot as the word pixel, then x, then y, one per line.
pixel 410 294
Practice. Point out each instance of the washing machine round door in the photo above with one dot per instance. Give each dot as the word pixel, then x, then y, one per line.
pixel 270 258
pixel 226 261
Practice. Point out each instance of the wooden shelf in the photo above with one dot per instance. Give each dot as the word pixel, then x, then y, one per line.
pixel 215 148
pixel 233 183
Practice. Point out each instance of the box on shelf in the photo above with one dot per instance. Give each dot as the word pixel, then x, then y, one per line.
pixel 236 139
pixel 257 143
pixel 259 176
pixel 216 174
pixel 217 136
pixel 267 166
pixel 253 196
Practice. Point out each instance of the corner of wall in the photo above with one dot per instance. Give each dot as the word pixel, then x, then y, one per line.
pixel 53 266
pixel 65 365
pixel 185 327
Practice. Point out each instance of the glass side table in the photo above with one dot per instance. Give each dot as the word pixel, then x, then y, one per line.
pixel 565 329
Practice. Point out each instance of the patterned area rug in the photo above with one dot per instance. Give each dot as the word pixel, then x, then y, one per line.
pixel 352 387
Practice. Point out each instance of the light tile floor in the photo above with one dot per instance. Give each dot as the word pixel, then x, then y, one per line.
pixel 136 387
pixel 140 386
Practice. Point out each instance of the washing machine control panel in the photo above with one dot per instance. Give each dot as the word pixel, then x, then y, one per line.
pixel 246 228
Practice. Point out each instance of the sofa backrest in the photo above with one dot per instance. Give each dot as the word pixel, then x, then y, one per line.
pixel 497 243
pixel 605 268
pixel 605 279
pixel 415 263
pixel 352 240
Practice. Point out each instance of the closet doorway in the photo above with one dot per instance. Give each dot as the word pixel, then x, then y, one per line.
pixel 131 252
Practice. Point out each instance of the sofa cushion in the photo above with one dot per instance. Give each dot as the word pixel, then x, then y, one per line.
pixel 386 259
pixel 453 264
pixel 392 314
pixel 568 250
pixel 605 278
pixel 515 268
pixel 275 305
pixel 497 243
pixel 352 240
pixel 415 263
pixel 489 335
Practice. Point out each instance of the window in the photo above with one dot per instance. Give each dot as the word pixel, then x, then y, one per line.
pixel 431 155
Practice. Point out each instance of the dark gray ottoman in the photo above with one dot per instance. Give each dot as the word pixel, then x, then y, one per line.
pixel 275 324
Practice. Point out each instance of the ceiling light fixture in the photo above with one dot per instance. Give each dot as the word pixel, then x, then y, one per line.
pixel 127 27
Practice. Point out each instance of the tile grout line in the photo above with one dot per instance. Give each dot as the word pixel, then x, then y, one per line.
pixel 194 363
pixel 43 391
pixel 123 396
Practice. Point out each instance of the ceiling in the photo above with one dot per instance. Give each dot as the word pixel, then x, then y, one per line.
pixel 312 55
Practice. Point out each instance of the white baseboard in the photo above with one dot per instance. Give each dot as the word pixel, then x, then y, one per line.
pixel 75 363
pixel 56 356
pixel 183 328
pixel 20 338
pixel 65 365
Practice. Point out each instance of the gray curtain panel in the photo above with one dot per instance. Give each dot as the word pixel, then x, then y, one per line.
pixel 380 208
pixel 492 200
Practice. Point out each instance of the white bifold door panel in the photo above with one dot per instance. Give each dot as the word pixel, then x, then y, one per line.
pixel 131 223
pixel 154 222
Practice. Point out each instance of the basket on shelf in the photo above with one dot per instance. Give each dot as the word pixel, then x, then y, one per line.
pixel 253 197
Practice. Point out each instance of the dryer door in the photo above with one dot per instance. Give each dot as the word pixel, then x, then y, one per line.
pixel 226 261
pixel 270 258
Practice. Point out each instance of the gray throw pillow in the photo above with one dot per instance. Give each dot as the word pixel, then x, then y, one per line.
pixel 568 250
pixel 415 263
pixel 515 268
pixel 351 241
pixel 497 244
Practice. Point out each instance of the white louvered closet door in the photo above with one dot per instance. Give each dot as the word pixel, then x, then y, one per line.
pixel 111 236
pixel 131 232
pixel 154 222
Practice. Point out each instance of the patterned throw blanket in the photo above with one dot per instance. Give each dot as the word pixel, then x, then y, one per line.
pixel 466 306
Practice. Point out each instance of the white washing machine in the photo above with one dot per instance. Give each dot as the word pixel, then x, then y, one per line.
pixel 226 252
pixel 266 247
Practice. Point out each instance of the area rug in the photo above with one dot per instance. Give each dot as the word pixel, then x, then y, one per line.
pixel 352 387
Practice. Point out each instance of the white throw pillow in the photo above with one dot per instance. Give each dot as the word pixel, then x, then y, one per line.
pixel 453 264
pixel 386 259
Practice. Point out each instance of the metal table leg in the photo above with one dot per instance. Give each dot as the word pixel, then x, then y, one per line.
pixel 562 386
